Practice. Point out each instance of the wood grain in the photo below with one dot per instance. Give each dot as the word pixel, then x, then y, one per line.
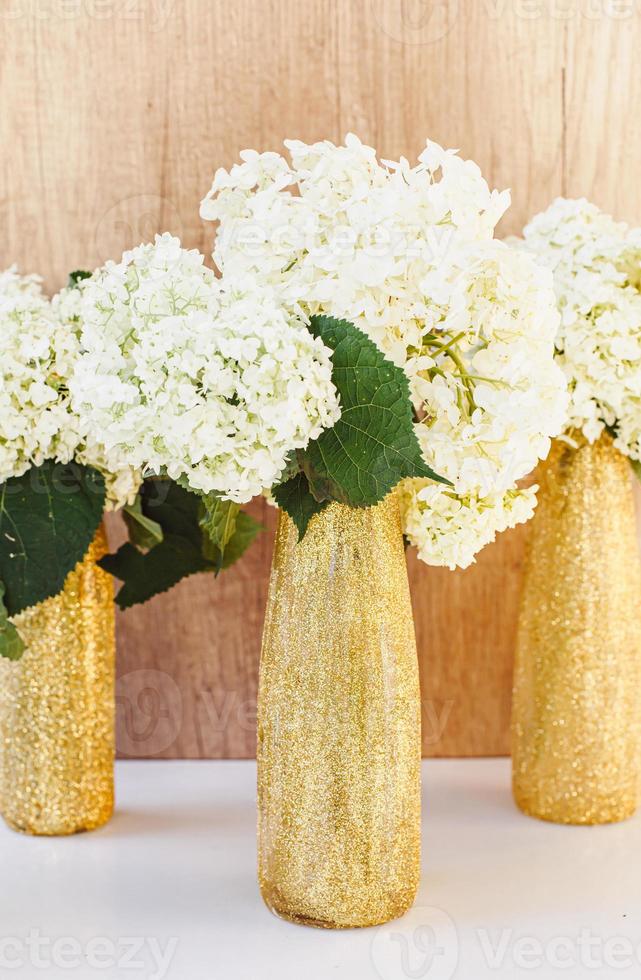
pixel 115 115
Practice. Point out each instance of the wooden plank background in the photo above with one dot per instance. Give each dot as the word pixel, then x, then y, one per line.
pixel 115 114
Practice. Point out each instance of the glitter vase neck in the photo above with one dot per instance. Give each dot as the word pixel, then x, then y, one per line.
pixel 339 723
pixel 57 708
pixel 577 706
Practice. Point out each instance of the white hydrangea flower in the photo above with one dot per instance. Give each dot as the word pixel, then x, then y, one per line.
pixel 38 349
pixel 484 379
pixel 449 528
pixel 408 255
pixel 122 481
pixel 204 380
pixel 36 353
pixel 596 264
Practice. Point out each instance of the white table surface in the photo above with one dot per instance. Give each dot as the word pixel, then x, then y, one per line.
pixel 167 891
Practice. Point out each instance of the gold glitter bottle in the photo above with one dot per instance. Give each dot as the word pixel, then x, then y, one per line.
pixel 57 708
pixel 577 705
pixel 339 723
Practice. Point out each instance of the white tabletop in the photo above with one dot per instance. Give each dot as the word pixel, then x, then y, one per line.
pixel 167 891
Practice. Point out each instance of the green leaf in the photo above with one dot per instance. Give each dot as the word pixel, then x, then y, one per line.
pixel 48 518
pixel 11 645
pixel 143 532
pixel 147 575
pixel 373 445
pixel 176 512
pixel 246 530
pixel 295 498
pixel 173 507
pixel 185 549
pixel 77 276
pixel 636 467
pixel 218 521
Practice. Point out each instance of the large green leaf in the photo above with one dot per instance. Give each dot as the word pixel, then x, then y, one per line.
pixel 373 445
pixel 11 645
pixel 218 521
pixel 186 547
pixel 295 498
pixel 48 518
pixel 175 508
pixel 147 575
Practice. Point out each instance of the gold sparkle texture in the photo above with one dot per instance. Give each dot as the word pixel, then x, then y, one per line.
pixel 577 706
pixel 57 708
pixel 339 723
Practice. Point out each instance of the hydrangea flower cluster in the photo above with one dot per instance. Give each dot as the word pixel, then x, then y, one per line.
pixel 596 264
pixel 449 529
pixel 38 350
pixel 182 374
pixel 36 353
pixel 408 255
pixel 122 480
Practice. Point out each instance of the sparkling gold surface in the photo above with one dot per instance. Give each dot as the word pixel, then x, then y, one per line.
pixel 577 705
pixel 339 723
pixel 57 709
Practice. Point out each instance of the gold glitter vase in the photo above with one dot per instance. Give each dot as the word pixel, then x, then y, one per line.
pixel 57 708
pixel 577 704
pixel 339 723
